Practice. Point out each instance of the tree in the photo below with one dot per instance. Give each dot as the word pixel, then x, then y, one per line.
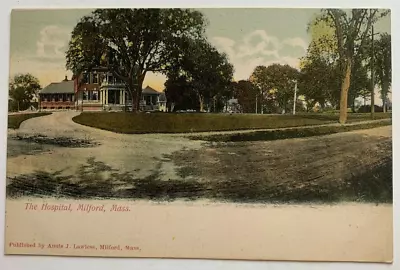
pixel 260 78
pixel 132 42
pixel 180 94
pixel 276 82
pixel 207 71
pixel 246 93
pixel 351 32
pixel 317 82
pixel 22 88
pixel 360 83
pixel 383 65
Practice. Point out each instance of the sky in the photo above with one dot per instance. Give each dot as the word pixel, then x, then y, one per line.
pixel 250 37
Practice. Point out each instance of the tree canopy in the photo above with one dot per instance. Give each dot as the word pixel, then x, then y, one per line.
pixel 207 71
pixel 22 88
pixel 276 85
pixel 383 65
pixel 246 93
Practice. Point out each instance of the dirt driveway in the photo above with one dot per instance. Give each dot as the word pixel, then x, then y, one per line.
pixel 121 151
pixel 351 164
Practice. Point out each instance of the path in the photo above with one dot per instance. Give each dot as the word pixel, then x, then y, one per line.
pixel 125 152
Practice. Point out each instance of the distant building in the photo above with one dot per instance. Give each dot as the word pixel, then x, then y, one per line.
pixel 97 90
pixel 232 106
pixel 57 96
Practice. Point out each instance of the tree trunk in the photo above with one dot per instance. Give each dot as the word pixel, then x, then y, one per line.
pixel 136 93
pixel 214 104
pixel 201 103
pixel 344 91
pixel 385 90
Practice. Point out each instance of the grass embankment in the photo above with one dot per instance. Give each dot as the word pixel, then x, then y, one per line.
pixel 270 135
pixel 14 121
pixel 201 122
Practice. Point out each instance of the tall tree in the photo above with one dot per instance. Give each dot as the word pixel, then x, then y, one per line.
pixel 22 88
pixel 259 78
pixel 133 42
pixel 180 94
pixel 246 93
pixel 351 32
pixel 360 83
pixel 207 70
pixel 383 65
pixel 318 82
pixel 276 82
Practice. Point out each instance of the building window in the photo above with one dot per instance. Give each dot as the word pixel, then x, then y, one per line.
pixel 85 95
pixel 95 78
pixel 110 79
pixel 94 95
pixel 85 78
pixel 56 98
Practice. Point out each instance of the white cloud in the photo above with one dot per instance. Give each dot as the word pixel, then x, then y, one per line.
pixel 47 62
pixel 52 42
pixel 265 42
pixel 257 48
pixel 296 42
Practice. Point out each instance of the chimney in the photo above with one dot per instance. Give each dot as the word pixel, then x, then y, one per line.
pixel 66 78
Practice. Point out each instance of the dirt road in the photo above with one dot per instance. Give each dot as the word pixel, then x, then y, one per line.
pixel 122 151
pixel 317 167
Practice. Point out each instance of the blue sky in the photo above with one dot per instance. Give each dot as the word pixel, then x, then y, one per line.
pixel 250 37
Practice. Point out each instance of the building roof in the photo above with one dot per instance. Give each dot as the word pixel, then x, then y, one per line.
pixel 149 90
pixel 64 87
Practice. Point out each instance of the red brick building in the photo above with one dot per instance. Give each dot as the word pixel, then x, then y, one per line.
pixel 57 96
pixel 97 90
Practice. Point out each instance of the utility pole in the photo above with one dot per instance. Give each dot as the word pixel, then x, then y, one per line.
pixel 372 73
pixel 295 98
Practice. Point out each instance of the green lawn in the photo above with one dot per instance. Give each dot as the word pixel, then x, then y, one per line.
pixel 14 121
pixel 130 123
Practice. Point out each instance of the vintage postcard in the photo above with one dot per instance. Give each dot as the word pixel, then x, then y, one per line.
pixel 229 133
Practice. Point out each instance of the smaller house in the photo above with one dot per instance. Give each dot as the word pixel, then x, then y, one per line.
pixel 57 96
pixel 152 100
pixel 232 106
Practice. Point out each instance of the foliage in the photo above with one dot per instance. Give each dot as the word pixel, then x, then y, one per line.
pixel 351 32
pixel 276 83
pixel 22 88
pixel 207 71
pixel 383 65
pixel 133 42
pixel 367 109
pixel 318 82
pixel 180 94
pixel 246 93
